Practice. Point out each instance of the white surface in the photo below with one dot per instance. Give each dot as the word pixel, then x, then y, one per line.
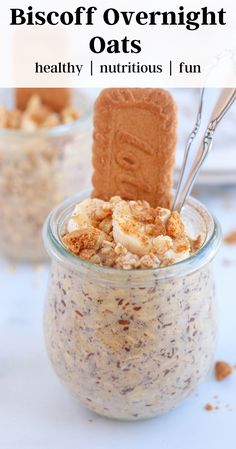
pixel 36 412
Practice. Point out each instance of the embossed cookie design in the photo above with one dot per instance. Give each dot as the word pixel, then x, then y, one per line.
pixel 134 145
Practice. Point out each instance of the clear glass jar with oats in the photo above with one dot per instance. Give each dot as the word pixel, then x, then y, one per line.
pixel 131 343
pixel 40 166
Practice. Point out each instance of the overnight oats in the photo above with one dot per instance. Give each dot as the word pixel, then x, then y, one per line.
pixel 44 159
pixel 130 318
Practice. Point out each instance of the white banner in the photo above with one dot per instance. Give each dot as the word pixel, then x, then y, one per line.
pixel 118 43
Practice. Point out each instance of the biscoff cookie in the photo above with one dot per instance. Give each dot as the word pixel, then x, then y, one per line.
pixel 134 145
pixel 55 98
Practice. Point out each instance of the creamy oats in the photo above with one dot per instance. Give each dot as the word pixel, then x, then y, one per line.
pixel 129 341
pixel 41 164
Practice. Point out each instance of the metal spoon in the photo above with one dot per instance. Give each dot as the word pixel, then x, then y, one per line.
pixel 185 184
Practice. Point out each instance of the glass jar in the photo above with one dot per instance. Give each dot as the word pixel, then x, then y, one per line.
pixel 38 170
pixel 131 344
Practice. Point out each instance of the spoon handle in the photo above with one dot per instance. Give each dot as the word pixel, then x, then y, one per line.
pixel 226 99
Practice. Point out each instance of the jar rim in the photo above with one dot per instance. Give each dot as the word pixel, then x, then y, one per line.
pixel 54 131
pixel 58 251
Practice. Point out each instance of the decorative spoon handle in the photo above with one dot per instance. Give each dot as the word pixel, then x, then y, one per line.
pixel 187 178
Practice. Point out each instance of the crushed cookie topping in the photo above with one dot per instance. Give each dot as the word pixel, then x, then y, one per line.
pixel 36 115
pixel 142 211
pixel 208 407
pixel 127 234
pixel 181 244
pixel 175 226
pixel 197 243
pixel 84 239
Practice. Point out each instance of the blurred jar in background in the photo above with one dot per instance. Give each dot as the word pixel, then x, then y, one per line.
pixel 38 169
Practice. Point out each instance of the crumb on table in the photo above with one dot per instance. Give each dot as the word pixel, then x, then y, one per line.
pixel 230 238
pixel 208 407
pixel 222 370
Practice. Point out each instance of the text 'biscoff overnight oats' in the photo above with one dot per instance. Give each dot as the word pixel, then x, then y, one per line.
pixel 44 158
pixel 130 333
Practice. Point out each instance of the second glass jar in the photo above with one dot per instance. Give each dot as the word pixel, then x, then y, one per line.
pixel 38 170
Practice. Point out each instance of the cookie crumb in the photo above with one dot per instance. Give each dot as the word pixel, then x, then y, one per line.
pixel 222 370
pixel 83 239
pixel 208 407
pixel 175 226
pixel 227 262
pixel 230 239
pixel 197 243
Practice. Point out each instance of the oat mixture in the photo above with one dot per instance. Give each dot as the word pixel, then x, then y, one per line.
pixel 128 351
pixel 127 234
pixel 37 171
pixel 129 344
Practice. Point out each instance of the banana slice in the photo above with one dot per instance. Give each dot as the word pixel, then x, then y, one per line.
pixel 128 231
pixel 163 214
pixel 88 213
